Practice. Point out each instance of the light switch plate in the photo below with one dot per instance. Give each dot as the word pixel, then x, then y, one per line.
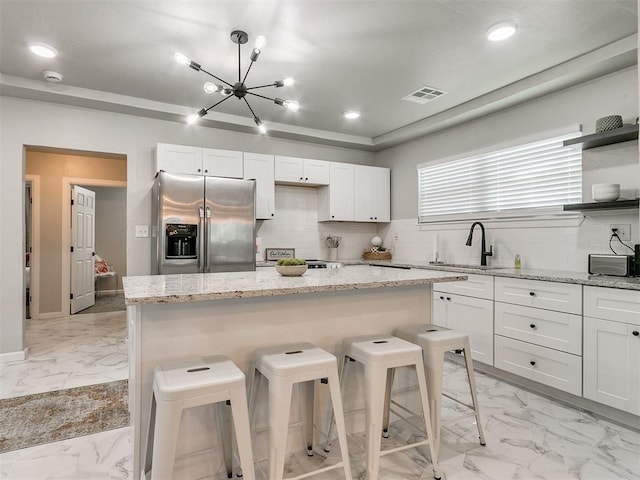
pixel 142 231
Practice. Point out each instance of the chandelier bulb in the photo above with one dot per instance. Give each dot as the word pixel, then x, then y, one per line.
pixel 226 91
pixel 254 54
pixel 260 125
pixel 292 105
pixel 181 58
pixel 288 81
pixel 194 117
pixel 211 87
pixel 261 41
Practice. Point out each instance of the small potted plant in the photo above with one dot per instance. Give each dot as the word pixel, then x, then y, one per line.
pixel 291 267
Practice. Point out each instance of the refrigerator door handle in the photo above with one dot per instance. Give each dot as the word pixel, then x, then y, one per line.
pixel 202 242
pixel 207 257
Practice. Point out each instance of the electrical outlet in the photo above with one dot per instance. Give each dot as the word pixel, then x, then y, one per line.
pixel 142 231
pixel 623 231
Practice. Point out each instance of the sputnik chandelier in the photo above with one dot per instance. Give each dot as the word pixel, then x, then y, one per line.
pixel 238 89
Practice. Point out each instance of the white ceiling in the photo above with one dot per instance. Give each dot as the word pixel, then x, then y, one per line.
pixel 365 55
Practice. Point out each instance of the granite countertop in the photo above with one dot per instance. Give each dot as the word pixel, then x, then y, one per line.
pixel 581 278
pixel 267 282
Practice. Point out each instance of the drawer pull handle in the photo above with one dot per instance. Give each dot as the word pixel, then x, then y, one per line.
pixel 532 363
pixel 533 294
pixel 532 325
pixel 635 333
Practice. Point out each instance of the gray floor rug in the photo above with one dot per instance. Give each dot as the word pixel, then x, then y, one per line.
pixel 106 303
pixel 52 416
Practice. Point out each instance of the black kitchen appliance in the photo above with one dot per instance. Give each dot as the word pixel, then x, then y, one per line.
pixel 313 263
pixel 636 269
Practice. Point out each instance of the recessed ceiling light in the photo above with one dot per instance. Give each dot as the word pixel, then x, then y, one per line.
pixel 352 114
pixel 43 50
pixel 501 31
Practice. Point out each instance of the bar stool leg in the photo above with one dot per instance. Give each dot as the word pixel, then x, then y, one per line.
pixel 240 415
pixel 308 391
pixel 472 387
pixel 338 412
pixel 342 374
pixel 168 414
pixel 375 381
pixel 434 363
pixel 427 412
pixel 279 408
pixel 225 436
pixel 387 402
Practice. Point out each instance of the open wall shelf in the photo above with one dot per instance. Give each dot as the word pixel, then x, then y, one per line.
pixel 622 134
pixel 602 205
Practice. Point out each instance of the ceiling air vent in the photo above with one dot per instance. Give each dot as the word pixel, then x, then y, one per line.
pixel 424 94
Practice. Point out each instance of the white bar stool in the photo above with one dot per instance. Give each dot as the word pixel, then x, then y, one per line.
pixel 435 341
pixel 192 383
pixel 381 355
pixel 283 366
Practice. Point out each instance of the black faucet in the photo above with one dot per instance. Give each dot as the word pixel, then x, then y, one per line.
pixel 483 253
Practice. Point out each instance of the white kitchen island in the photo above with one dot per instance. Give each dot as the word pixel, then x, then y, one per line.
pixel 181 316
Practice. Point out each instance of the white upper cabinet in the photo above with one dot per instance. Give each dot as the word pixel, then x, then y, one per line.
pixel 178 159
pixel 198 161
pixel 371 194
pixel 259 167
pixel 335 202
pixel 301 171
pixel 222 163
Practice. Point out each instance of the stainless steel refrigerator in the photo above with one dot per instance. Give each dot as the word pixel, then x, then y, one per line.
pixel 202 224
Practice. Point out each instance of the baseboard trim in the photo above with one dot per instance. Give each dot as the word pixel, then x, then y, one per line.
pixel 51 315
pixel 14 356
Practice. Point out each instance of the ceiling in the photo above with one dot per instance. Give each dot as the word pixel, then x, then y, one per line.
pixel 363 55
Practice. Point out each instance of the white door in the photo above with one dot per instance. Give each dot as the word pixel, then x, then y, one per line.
pixel 83 229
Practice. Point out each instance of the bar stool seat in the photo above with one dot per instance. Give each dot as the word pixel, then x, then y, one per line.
pixel 380 355
pixel 284 366
pixel 435 341
pixel 192 383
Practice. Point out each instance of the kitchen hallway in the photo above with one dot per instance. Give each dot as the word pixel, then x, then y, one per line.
pixel 528 436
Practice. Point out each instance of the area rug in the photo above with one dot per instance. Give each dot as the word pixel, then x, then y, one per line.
pixel 106 303
pixel 52 416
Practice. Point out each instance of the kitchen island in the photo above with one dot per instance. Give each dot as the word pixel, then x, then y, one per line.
pixel 181 316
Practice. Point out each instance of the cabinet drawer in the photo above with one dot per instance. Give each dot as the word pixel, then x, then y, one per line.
pixel 561 297
pixel 480 286
pixel 550 367
pixel 557 330
pixel 612 304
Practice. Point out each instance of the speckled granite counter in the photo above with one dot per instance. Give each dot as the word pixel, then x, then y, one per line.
pixel 266 282
pixel 627 283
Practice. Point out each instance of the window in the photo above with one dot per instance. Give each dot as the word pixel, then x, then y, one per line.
pixel 536 175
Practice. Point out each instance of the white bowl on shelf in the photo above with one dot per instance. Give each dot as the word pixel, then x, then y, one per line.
pixel 605 192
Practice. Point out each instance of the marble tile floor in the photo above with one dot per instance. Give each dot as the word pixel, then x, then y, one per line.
pixel 528 436
pixel 67 352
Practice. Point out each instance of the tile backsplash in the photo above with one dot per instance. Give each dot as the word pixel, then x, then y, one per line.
pixel 295 225
pixel 542 247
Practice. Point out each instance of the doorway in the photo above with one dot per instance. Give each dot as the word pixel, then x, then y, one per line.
pixel 50 262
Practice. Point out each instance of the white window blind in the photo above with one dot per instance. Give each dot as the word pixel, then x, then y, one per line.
pixel 535 175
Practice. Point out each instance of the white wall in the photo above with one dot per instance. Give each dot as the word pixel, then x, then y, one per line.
pixel 550 245
pixel 296 226
pixel 26 122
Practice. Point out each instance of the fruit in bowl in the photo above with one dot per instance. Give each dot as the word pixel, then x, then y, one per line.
pixel 291 267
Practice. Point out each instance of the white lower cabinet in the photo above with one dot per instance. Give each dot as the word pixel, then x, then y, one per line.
pixel 538 327
pixel 540 364
pixel 612 347
pixel 470 315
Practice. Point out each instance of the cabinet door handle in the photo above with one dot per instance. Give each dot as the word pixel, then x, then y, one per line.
pixel 449 298
pixel 206 170
pixel 441 298
pixel 300 178
pixel 532 325
pixel 306 179
pixel 635 333
pixel 333 216
pixel 199 170
pixel 532 363
pixel 533 294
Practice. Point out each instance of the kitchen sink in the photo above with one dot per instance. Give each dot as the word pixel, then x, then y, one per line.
pixel 464 265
